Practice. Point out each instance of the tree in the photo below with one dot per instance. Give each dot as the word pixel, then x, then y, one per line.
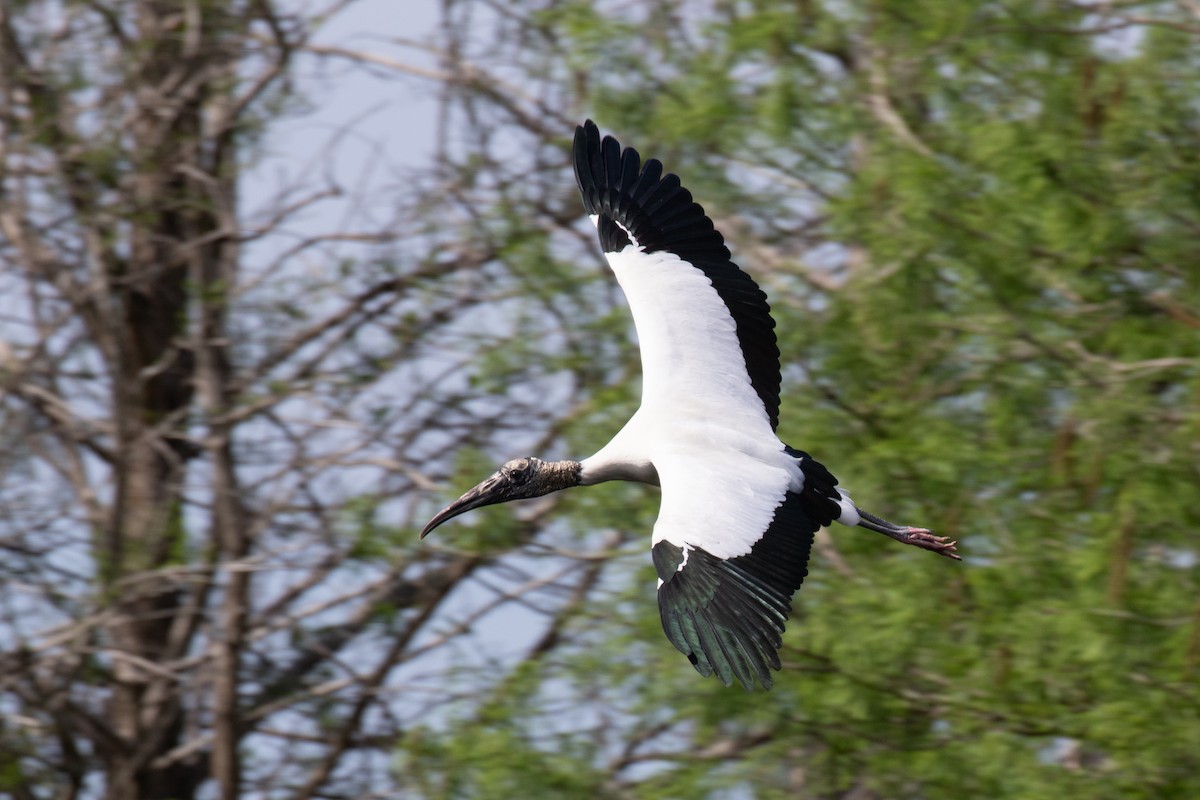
pixel 209 411
pixel 976 224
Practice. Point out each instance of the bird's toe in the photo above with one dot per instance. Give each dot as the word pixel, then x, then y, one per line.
pixel 927 540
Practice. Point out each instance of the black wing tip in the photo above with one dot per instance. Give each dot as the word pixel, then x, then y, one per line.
pixel 585 134
pixel 587 142
pixel 645 200
pixel 650 203
pixel 601 165
pixel 750 674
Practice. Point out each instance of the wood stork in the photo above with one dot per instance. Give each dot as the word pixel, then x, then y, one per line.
pixel 739 507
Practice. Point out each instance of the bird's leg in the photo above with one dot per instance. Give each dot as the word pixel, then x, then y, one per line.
pixel 917 537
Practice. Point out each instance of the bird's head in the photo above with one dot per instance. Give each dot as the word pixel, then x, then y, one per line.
pixel 518 479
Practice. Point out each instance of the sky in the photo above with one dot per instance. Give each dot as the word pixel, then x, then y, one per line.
pixel 370 116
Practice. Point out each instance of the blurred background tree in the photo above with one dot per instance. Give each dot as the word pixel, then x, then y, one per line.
pixel 978 224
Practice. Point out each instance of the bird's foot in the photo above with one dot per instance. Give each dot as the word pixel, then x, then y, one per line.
pixel 925 539
pixel 917 537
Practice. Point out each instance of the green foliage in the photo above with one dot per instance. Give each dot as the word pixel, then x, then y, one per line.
pixel 1008 354
pixel 508 757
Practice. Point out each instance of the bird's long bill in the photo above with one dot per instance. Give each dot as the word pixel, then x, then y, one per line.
pixel 489 492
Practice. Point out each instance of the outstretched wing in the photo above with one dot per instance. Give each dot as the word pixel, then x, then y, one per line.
pixel 731 547
pixel 704 326
pixel 727 615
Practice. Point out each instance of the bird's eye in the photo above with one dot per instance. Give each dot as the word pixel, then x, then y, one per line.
pixel 519 471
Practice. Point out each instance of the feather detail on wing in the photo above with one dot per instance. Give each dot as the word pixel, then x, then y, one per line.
pixel 728 615
pixel 650 222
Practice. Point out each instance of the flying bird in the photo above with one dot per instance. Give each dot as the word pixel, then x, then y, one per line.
pixel 739 507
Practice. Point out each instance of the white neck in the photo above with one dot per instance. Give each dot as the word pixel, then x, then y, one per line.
pixel 611 464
